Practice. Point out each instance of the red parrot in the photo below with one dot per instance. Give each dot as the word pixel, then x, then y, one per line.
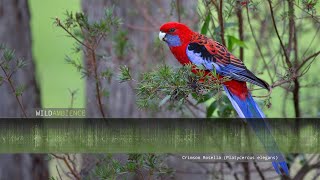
pixel 190 47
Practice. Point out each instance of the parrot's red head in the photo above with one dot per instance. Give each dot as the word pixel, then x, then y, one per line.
pixel 175 34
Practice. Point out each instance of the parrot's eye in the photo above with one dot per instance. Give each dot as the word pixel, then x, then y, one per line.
pixel 172 30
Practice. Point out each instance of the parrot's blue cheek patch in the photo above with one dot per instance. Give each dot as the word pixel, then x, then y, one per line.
pixel 173 40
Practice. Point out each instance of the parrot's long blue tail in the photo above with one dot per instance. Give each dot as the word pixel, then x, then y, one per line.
pixel 249 109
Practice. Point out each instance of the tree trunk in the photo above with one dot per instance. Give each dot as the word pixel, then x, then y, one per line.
pixel 15 34
pixel 141 20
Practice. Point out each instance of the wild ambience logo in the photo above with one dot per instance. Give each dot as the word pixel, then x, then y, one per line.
pixel 60 112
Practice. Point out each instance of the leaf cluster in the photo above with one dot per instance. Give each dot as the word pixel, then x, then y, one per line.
pixel 10 64
pixel 135 165
pixel 79 25
pixel 88 35
pixel 167 84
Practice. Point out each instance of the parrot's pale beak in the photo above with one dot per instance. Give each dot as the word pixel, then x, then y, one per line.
pixel 162 36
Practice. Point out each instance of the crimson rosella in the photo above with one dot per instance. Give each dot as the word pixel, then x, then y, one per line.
pixel 190 47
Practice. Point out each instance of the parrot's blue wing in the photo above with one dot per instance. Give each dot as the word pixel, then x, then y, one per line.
pixel 200 56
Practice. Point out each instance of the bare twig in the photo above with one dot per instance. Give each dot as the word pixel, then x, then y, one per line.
pixel 67 163
pixel 313 38
pixel 235 175
pixel 194 106
pixel 96 77
pixel 311 15
pixel 240 31
pixel 8 78
pixel 178 10
pixel 307 59
pixel 264 96
pixel 259 171
pixel 258 46
pixel 221 23
pixel 284 105
pixel 245 166
pixel 220 18
pixel 283 81
pixel 193 113
pixel 58 172
pixel 72 93
pixel 289 64
pixel 58 22
pixel 304 170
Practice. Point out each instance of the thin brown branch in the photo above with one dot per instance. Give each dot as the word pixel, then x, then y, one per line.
pixel 304 170
pixel 72 161
pixel 295 75
pixel 283 81
pixel 264 96
pixel 72 94
pixel 296 98
pixel 235 175
pixel 194 106
pixel 289 64
pixel 58 172
pixel 246 170
pixel 259 171
pixel 258 46
pixel 311 15
pixel 66 162
pixel 284 105
pixel 91 47
pixel 100 37
pixel 221 23
pixel 96 77
pixel 220 18
pixel 8 78
pixel 307 59
pixel 293 42
pixel 240 29
pixel 58 22
pixel 313 38
pixel 178 10
pixel 193 113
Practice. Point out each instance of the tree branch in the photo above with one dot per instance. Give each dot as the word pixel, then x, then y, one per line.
pixel 240 31
pixel 259 171
pixel 58 22
pixel 178 10
pixel 304 170
pixel 8 78
pixel 258 45
pixel 221 23
pixel 289 64
pixel 72 171
pixel 307 59
pixel 96 77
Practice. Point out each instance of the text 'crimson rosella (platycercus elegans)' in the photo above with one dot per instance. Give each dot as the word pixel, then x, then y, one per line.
pixel 193 48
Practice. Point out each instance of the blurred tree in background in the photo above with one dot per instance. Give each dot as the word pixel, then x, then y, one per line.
pixel 19 90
